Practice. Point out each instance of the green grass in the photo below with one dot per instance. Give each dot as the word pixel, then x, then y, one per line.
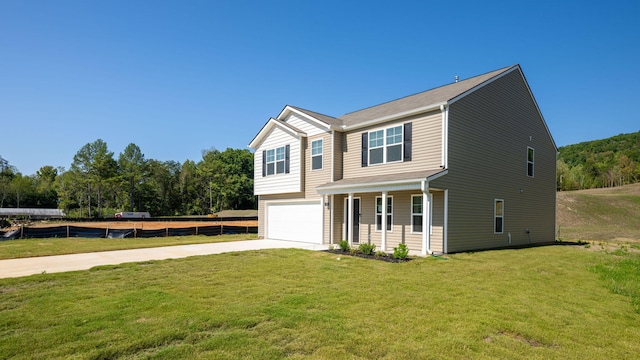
pixel 12 249
pixel 611 215
pixel 554 302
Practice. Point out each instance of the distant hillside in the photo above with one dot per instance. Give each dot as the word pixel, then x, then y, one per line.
pixel 608 162
pixel 610 214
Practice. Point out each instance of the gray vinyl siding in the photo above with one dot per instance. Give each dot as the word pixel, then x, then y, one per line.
pixel 426 147
pixel 489 132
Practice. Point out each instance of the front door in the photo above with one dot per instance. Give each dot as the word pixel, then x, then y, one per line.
pixel 355 224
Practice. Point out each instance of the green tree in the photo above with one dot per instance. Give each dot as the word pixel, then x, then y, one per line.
pixel 131 163
pixel 188 190
pixel 22 187
pixel 95 162
pixel 44 180
pixel 7 172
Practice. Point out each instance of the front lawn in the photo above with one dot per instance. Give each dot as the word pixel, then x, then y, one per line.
pixel 13 249
pixel 554 302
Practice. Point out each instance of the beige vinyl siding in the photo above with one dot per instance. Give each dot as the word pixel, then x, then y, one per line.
pixel 279 183
pixel 426 147
pixel 489 132
pixel 401 228
pixel 338 218
pixel 338 146
pixel 315 178
pixel 437 219
pixel 309 127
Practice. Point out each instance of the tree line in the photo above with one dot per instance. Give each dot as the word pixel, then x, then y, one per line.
pixel 610 162
pixel 98 184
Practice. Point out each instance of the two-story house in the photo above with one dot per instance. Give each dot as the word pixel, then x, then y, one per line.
pixel 469 165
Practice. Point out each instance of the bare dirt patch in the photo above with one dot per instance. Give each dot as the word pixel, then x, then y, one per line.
pixel 145 225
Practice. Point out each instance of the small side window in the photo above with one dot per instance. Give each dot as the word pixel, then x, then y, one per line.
pixel 530 161
pixel 316 154
pixel 498 216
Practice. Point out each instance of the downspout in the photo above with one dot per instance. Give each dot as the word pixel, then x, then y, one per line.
pixel 333 146
pixel 444 109
pixel 426 236
pixel 350 221
pixel 383 225
pixel 331 223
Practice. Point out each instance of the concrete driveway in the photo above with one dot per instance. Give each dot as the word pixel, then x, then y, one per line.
pixel 61 263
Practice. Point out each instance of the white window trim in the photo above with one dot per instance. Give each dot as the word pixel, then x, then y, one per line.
pixel 385 145
pixel 275 161
pixel 422 213
pixel 495 216
pixel 389 214
pixel 415 214
pixel 318 155
pixel 532 162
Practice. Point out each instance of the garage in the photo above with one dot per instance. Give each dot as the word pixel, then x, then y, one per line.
pixel 296 221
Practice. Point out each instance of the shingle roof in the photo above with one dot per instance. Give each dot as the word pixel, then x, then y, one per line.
pixel 322 117
pixel 430 97
pixel 423 99
pixel 381 179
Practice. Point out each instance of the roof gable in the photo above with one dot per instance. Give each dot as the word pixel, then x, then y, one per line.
pixel 270 125
pixel 320 119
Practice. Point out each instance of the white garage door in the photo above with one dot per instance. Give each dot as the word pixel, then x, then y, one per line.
pixel 299 221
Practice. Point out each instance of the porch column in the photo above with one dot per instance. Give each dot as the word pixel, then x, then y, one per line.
pixel 445 229
pixel 349 223
pixel 331 220
pixel 426 216
pixel 383 224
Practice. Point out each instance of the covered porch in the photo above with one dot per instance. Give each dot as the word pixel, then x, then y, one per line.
pixel 389 210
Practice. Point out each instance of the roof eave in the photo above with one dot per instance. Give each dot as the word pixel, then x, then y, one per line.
pixel 373 186
pixel 392 117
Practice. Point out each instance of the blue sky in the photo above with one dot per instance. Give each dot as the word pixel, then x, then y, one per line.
pixel 179 77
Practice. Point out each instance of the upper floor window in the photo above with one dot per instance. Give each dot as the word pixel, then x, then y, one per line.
pixel 388 145
pixel 275 161
pixel 385 145
pixel 530 157
pixel 316 154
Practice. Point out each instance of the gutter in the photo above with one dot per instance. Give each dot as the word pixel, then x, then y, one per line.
pixel 389 117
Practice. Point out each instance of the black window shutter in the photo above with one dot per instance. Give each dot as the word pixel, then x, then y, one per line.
pixel 286 159
pixel 365 149
pixel 407 142
pixel 264 163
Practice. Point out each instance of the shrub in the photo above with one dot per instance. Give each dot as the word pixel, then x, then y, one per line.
pixel 367 249
pixel 400 252
pixel 344 245
pixel 381 253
